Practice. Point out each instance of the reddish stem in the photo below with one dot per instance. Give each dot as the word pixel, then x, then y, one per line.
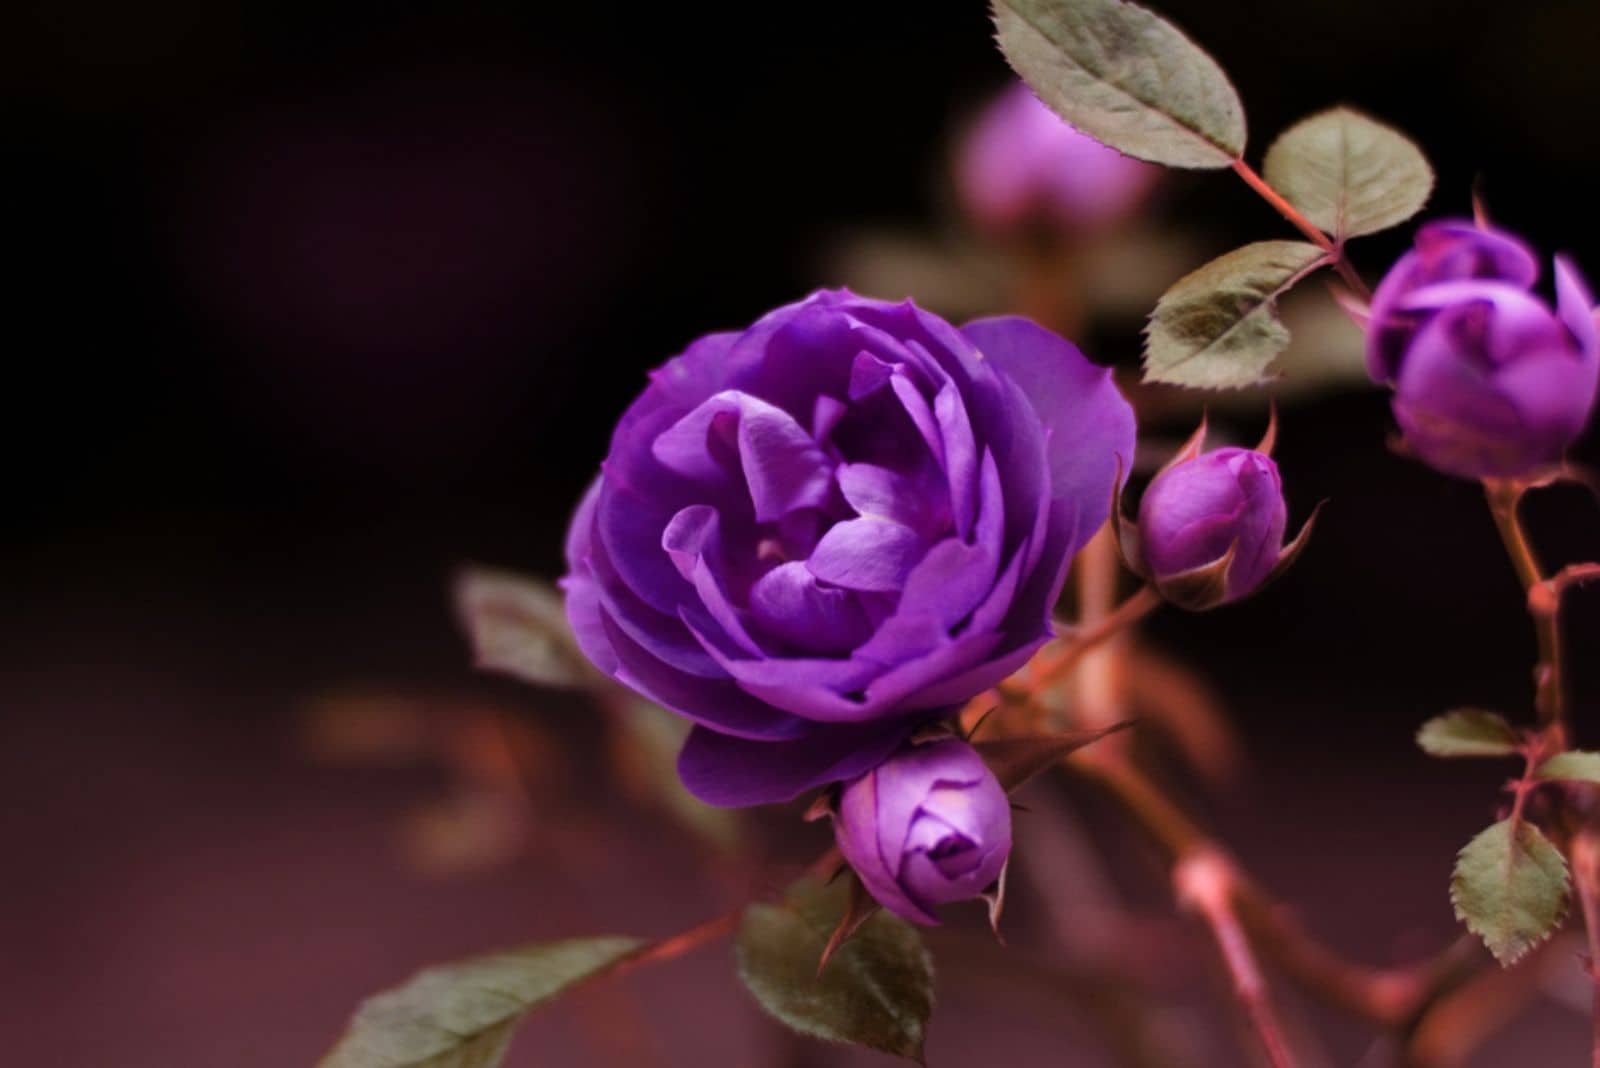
pixel 1206 881
pixel 1586 878
pixel 1114 622
pixel 1334 249
pixel 1504 498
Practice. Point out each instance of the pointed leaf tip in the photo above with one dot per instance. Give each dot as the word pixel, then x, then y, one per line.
pixel 1126 77
pixel 1016 761
pixel 463 1015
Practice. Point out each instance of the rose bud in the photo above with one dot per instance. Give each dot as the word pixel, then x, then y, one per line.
pixel 1489 380
pixel 1211 526
pixel 1022 165
pixel 929 826
pixel 816 535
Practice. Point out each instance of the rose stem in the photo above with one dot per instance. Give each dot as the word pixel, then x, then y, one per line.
pixel 1394 998
pixel 1586 878
pixel 1504 497
pixel 1334 249
pixel 1204 881
pixel 1118 619
pixel 677 945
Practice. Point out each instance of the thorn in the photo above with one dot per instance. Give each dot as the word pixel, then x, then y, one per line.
pixel 1191 448
pixel 1480 204
pixel 1270 439
pixel 1297 546
pixel 973 733
pixel 821 808
pixel 995 896
pixel 857 911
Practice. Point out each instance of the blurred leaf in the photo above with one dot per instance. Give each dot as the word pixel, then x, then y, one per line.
pixel 1576 765
pixel 957 279
pixel 1468 732
pixel 463 1015
pixel 1015 761
pixel 470 832
pixel 1126 77
pixel 518 626
pixel 1217 327
pixel 1510 888
pixel 647 742
pixel 371 727
pixel 876 991
pixel 1349 174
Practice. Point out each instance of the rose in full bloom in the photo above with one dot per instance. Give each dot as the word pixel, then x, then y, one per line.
pixel 1489 380
pixel 929 826
pixel 1021 164
pixel 812 536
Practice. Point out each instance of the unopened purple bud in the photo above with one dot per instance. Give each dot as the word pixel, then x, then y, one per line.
pixel 1022 164
pixel 1490 381
pixel 1211 527
pixel 929 826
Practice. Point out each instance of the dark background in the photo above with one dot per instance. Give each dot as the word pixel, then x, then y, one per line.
pixel 312 303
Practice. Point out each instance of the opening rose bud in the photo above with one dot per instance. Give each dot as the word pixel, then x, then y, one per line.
pixel 929 826
pixel 1021 164
pixel 1211 526
pixel 814 536
pixel 1489 381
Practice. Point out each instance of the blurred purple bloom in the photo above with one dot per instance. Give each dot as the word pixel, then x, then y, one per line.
pixel 1489 381
pixel 1218 513
pixel 929 826
pixel 1021 163
pixel 816 534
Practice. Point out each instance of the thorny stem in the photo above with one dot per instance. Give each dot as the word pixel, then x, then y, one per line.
pixel 1079 643
pixel 1394 998
pixel 1334 249
pixel 677 945
pixel 1586 879
pixel 1204 880
pixel 1504 497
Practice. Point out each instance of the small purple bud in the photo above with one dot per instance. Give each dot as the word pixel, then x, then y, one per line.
pixel 1021 164
pixel 1211 527
pixel 929 826
pixel 1490 381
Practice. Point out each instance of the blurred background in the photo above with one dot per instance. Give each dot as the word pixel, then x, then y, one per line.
pixel 313 304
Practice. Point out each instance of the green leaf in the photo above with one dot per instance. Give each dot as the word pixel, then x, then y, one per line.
pixel 518 626
pixel 1218 327
pixel 1126 77
pixel 1576 765
pixel 876 991
pixel 1348 173
pixel 1468 732
pixel 1510 888
pixel 463 1015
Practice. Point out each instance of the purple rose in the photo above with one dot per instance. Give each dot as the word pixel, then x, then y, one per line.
pixel 929 826
pixel 812 536
pixel 1021 163
pixel 1489 381
pixel 1211 526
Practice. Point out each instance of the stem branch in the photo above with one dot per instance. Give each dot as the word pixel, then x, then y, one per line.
pixel 1205 880
pixel 1504 497
pixel 1334 249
